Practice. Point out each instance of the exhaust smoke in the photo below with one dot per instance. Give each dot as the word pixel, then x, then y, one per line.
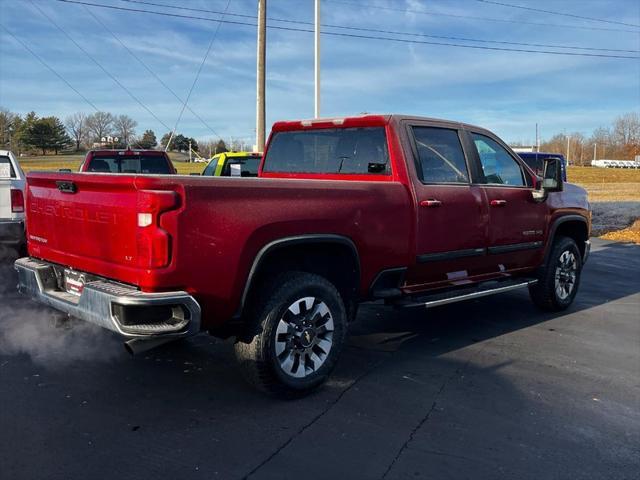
pixel 46 336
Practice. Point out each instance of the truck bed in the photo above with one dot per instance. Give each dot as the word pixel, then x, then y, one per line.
pixel 206 232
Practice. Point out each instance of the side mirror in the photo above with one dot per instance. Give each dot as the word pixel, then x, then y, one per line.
pixel 552 176
pixel 551 180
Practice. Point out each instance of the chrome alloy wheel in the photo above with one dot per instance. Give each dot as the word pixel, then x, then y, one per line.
pixel 566 273
pixel 304 337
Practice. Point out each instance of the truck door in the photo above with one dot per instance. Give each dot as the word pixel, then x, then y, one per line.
pixel 516 220
pixel 451 212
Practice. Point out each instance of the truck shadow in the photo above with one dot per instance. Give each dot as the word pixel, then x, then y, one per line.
pixel 400 370
pixel 608 276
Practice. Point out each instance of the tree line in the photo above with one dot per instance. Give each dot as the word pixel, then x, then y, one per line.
pixel 620 141
pixel 80 131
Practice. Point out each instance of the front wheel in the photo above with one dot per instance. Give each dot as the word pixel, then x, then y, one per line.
pixel 299 327
pixel 559 279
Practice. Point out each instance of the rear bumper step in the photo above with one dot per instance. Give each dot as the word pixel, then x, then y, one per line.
pixel 462 294
pixel 116 307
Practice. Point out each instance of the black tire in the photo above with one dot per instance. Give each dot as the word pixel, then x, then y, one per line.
pixel 547 294
pixel 257 353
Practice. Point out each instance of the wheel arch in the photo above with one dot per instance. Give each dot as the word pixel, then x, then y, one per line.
pixel 572 226
pixel 332 256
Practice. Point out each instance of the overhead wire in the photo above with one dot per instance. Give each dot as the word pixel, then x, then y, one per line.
pixel 551 12
pixel 195 80
pixel 351 35
pixel 375 30
pixel 146 67
pixel 135 98
pixel 49 67
pixel 475 17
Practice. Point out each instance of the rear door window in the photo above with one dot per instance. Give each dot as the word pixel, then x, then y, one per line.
pixel 332 150
pixel 440 155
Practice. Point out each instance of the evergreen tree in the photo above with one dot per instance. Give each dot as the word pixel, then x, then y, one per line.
pixel 148 140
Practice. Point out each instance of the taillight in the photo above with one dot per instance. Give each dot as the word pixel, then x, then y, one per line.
pixel 17 201
pixel 153 242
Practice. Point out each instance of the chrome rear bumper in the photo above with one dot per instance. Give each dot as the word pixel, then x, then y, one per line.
pixel 120 308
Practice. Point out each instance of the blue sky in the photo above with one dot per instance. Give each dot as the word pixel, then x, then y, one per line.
pixel 507 92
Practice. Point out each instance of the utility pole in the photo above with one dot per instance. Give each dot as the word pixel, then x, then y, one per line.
pixel 568 140
pixel 260 100
pixel 317 59
pixel 189 151
pixel 595 149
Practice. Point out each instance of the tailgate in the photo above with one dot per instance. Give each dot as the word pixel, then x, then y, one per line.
pixel 102 224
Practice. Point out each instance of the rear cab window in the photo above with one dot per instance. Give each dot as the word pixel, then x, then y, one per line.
pixel 347 151
pixel 6 168
pixel 138 164
pixel 241 166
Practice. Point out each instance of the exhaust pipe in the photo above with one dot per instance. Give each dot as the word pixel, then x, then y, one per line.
pixel 139 345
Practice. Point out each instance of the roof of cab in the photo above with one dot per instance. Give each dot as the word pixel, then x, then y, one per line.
pixel 124 151
pixel 365 120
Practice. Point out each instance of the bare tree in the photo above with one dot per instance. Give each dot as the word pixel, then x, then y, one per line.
pixel 125 128
pixel 77 127
pixel 626 135
pixel 100 124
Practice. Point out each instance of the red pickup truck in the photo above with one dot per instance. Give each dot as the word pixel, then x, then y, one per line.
pixel 416 212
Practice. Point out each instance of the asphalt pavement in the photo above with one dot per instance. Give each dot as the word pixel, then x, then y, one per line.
pixel 491 388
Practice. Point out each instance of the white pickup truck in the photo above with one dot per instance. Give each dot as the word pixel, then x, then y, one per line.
pixel 12 214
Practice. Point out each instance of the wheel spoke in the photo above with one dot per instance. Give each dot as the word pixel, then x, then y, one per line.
pixel 303 337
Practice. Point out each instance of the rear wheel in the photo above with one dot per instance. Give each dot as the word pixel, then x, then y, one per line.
pixel 298 329
pixel 559 279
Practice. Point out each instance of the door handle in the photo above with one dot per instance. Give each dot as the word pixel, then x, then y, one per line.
pixel 498 203
pixel 430 203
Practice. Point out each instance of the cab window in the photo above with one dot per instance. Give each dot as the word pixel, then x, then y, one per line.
pixel 331 150
pixel 498 166
pixel 440 155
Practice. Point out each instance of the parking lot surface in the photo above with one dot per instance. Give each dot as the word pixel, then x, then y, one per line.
pixel 486 389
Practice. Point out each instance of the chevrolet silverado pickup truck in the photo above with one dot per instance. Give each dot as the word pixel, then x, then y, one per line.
pixel 415 212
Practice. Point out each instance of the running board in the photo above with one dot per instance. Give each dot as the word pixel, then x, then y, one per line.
pixel 460 295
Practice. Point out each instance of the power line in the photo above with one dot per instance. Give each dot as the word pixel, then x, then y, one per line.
pixel 99 65
pixel 53 70
pixel 101 23
pixel 470 17
pixel 195 80
pixel 368 37
pixel 390 32
pixel 550 12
